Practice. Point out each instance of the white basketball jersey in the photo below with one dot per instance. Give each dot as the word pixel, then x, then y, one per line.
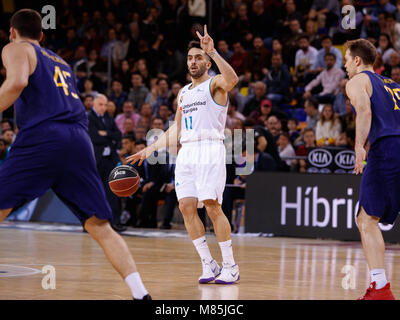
pixel 202 117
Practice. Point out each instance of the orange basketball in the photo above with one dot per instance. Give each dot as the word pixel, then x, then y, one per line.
pixel 124 181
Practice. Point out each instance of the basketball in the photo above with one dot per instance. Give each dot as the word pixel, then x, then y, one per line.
pixel 124 181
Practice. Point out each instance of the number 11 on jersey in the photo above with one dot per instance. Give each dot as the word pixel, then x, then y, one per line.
pixel 191 123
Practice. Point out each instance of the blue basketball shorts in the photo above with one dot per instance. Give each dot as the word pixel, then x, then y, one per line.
pixel 380 182
pixel 57 156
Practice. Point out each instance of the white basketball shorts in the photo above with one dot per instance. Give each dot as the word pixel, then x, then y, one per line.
pixel 200 171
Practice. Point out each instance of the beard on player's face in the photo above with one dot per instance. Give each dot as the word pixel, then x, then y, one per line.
pixel 198 72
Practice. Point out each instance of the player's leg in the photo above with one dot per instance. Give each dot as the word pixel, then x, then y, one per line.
pixel 372 240
pixel 117 253
pixel 4 214
pixel 222 228
pixel 79 186
pixel 196 231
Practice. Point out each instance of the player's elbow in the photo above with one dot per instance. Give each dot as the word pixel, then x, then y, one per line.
pixel 18 84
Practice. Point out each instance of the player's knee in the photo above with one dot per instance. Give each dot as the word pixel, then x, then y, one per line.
pixel 365 221
pixel 188 206
pixel 213 209
pixel 97 227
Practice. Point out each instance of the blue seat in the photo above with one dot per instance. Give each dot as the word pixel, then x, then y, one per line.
pixel 299 114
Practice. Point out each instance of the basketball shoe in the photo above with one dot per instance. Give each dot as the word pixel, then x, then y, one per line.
pixel 229 274
pixel 210 271
pixel 378 294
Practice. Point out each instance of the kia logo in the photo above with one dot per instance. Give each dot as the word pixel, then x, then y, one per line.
pixel 320 158
pixel 345 159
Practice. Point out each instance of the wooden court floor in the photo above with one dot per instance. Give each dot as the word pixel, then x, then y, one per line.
pixel 270 268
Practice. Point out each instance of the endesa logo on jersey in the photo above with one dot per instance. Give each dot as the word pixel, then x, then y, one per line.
pixel 320 158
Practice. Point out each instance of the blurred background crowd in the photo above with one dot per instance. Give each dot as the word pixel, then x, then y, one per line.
pixel 129 61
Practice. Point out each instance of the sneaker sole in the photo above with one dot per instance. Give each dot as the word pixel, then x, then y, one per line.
pixel 224 282
pixel 202 281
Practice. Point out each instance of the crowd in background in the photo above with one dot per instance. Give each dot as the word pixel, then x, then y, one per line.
pixel 288 55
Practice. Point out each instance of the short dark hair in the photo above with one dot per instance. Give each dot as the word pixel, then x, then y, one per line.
pixel 304 36
pixel 363 49
pixel 326 37
pixel 195 44
pixel 313 102
pixel 141 141
pixel 330 54
pixel 28 23
pixel 129 137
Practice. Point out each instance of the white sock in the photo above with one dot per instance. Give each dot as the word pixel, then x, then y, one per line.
pixel 137 287
pixel 202 248
pixel 227 252
pixel 379 276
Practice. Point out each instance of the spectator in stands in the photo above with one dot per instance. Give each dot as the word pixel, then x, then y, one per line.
pixel 290 13
pixel 146 116
pixel 162 97
pixel 311 30
pixel 118 95
pixel 112 109
pixel 311 109
pixel 329 78
pixel 339 106
pixel 237 61
pixel 138 92
pixel 328 127
pixel 278 80
pixel 164 114
pixel 8 137
pixel 105 137
pixel 274 126
pixel 349 120
pixel 394 31
pixel 88 89
pixel 261 116
pixel 88 103
pixel 141 133
pixel 395 75
pixel 5 125
pixel 223 50
pixel 257 59
pixel 347 139
pixel 327 47
pixel 129 127
pixel 124 75
pixel 285 149
pixel 302 150
pixel 293 131
pixel 106 50
pixel 254 103
pixel 306 57
pixel 3 151
pixel 385 47
pixel 394 61
pixel 128 111
pixel 290 41
pixel 173 94
pixel 325 10
pixel 141 67
pixel 261 22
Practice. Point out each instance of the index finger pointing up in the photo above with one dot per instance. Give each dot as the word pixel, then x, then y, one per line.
pixel 205 30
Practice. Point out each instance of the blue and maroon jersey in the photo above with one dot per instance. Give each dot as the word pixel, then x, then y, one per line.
pixel 51 94
pixel 385 107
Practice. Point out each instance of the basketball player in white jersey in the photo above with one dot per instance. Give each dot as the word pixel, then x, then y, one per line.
pixel 200 172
